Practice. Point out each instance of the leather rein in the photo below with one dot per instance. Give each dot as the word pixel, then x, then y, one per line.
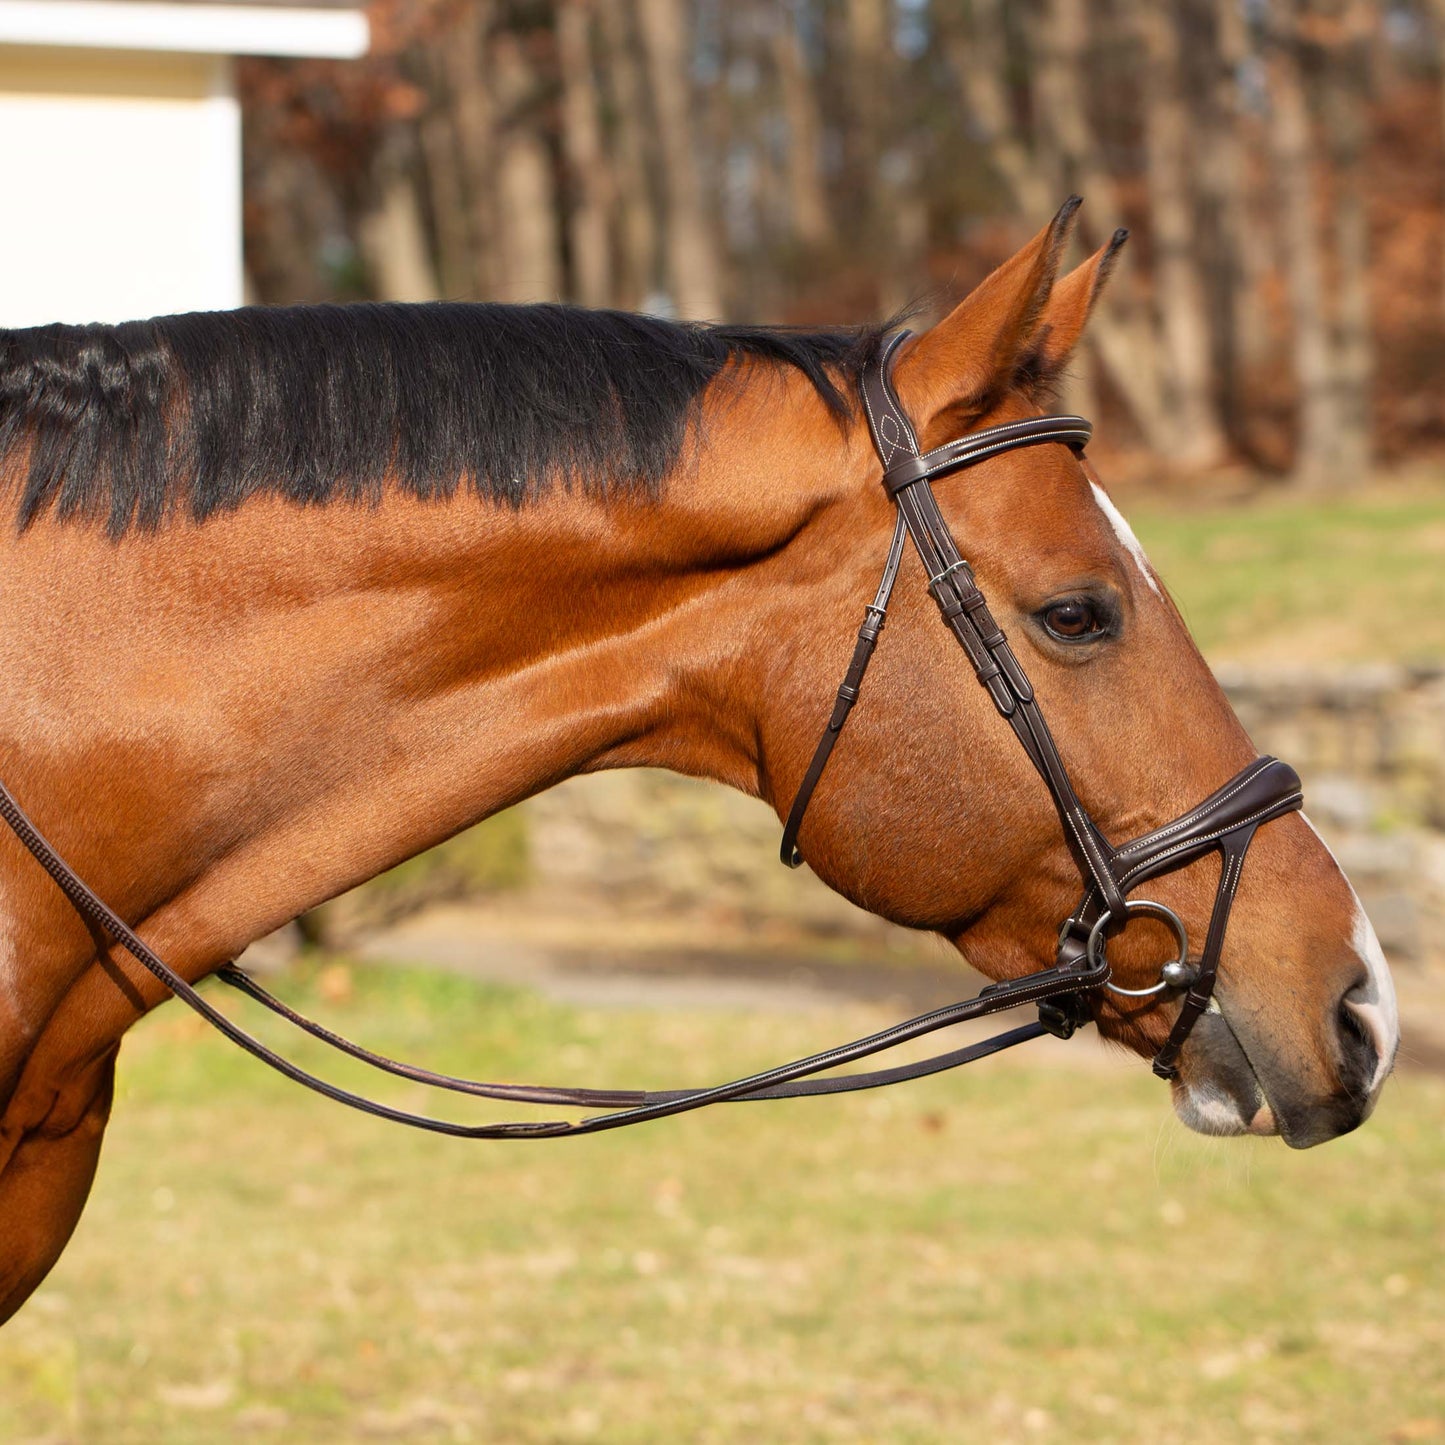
pixel 1224 822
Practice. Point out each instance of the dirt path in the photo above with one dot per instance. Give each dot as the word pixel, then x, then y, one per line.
pixel 614 972
pixel 609 968
pixel 579 962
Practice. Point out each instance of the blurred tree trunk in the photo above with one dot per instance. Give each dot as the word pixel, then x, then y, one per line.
pixel 1067 156
pixel 1178 283
pixel 1345 92
pixel 1067 151
pixel 529 248
pixel 866 78
pixel 1437 17
pixel 812 227
pixel 391 233
pixel 448 197
pixel 1294 166
pixel 281 256
pixel 746 132
pixel 870 72
pixel 979 62
pixel 635 221
pixel 1120 335
pixel 1060 41
pixel 978 59
pixel 463 56
pixel 1235 244
pixel 724 113
pixel 1248 241
pixel 692 263
pixel 588 173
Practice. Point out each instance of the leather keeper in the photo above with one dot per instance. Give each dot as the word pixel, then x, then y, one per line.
pixel 905 472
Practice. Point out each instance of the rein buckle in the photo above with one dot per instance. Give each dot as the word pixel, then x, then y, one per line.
pixel 1062 1017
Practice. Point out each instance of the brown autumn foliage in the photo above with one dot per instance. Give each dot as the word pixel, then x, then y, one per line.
pixel 1280 164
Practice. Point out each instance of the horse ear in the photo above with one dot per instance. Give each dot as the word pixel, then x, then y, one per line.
pixel 956 371
pixel 1062 320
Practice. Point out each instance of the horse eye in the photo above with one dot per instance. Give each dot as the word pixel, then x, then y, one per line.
pixel 1075 620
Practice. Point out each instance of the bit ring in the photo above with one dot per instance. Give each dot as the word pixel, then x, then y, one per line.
pixel 1173 973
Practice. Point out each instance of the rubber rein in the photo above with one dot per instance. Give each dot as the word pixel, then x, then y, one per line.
pixel 1225 823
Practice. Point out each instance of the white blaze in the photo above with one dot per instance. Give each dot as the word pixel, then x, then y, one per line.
pixel 1376 1007
pixel 1125 533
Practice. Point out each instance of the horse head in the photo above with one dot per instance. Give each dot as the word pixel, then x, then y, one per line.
pixel 935 816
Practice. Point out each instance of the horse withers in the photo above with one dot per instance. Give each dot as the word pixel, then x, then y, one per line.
pixel 290 595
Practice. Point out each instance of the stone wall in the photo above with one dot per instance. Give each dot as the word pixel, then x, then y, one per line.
pixel 1368 741
pixel 648 844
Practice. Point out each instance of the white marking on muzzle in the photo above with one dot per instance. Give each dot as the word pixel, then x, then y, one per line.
pixel 1125 533
pixel 1376 1007
pixel 1207 1109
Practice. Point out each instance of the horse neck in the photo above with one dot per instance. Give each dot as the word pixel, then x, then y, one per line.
pixel 241 719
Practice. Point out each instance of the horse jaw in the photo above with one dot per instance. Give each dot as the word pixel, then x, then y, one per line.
pixel 1225 1097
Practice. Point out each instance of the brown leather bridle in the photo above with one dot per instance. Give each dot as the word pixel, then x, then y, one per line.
pixel 1225 822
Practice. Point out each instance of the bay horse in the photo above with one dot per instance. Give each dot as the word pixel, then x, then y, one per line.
pixel 291 595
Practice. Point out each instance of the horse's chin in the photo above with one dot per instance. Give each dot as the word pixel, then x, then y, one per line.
pixel 1218 1091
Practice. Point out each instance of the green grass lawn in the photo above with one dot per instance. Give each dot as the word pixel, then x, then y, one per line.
pixel 1294 579
pixel 1033 1250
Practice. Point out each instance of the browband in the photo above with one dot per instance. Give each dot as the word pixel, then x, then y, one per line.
pixel 1072 431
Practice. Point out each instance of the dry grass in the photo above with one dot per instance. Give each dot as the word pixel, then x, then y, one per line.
pixel 1035 1251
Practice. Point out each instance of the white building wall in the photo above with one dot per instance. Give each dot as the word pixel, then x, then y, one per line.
pixel 120 182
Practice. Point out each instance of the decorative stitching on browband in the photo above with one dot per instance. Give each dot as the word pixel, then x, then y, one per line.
pixel 1236 862
pixel 885 377
pixel 891 442
pixel 1159 834
pixel 981 452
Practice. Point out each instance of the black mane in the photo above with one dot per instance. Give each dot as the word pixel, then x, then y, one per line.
pixel 139 422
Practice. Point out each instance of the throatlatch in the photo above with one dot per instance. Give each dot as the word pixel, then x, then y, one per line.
pixel 1225 822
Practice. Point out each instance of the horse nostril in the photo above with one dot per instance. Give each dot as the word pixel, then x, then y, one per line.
pixel 1357 1041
